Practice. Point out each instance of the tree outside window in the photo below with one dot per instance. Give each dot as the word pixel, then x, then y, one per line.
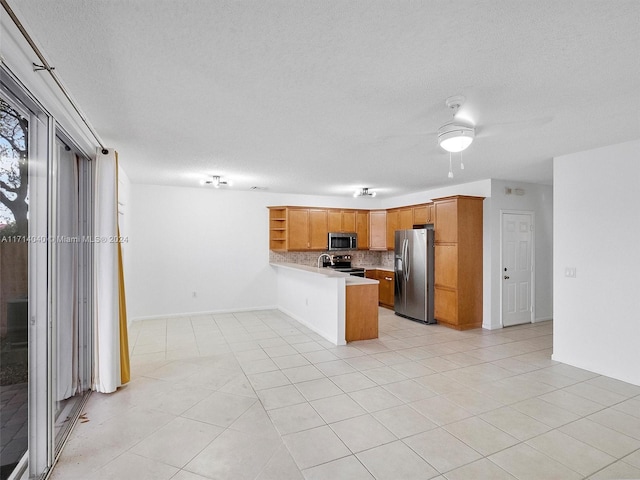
pixel 14 175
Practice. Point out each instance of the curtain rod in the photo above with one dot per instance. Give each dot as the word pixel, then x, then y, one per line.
pixel 45 66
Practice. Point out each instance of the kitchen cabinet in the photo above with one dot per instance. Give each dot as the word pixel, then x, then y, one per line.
pixel 422 214
pixel 361 312
pixel 377 230
pixel 318 230
pixel 386 286
pixel 398 219
pixel 386 293
pixel 405 218
pixel 278 229
pixel 297 228
pixel 458 261
pixel 392 226
pixel 362 229
pixel 342 221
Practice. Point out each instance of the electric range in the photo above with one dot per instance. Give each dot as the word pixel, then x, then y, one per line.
pixel 342 263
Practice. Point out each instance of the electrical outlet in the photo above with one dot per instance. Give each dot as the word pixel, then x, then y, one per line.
pixel 570 272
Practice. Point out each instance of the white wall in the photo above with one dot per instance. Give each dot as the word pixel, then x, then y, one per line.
pixel 481 188
pixel 214 242
pixel 314 300
pixel 597 232
pixel 539 200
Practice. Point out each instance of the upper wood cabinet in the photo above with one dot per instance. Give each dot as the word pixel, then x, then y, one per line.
pixel 362 229
pixel 377 230
pixel 278 228
pixel 422 214
pixel 458 262
pixel 342 221
pixel 318 231
pixel 447 226
pixel 392 226
pixel 297 228
pixel 405 218
pixel 398 219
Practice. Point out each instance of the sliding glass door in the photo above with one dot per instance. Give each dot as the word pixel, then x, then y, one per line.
pixel 15 123
pixel 45 283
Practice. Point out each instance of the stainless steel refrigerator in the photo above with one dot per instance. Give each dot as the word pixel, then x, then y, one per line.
pixel 413 265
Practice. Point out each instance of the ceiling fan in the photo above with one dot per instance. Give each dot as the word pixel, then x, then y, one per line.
pixel 455 135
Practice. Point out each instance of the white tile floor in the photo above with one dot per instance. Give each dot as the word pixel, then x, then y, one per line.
pixel 256 395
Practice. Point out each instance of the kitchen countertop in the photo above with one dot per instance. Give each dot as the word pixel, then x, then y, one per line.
pixel 326 272
pixel 375 267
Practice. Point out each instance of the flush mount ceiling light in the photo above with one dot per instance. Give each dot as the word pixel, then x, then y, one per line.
pixel 217 181
pixel 456 135
pixel 364 192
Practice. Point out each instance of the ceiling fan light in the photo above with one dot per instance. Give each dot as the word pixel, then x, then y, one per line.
pixel 454 137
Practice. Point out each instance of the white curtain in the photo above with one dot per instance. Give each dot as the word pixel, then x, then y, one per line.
pixel 66 272
pixel 110 350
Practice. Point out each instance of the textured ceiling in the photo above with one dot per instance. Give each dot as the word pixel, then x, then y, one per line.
pixel 325 96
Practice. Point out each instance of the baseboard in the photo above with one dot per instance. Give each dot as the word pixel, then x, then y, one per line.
pixel 633 380
pixel 311 327
pixel 489 326
pixel 542 319
pixel 209 312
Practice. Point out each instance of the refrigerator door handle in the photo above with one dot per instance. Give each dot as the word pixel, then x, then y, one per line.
pixel 405 248
pixel 402 258
pixel 408 267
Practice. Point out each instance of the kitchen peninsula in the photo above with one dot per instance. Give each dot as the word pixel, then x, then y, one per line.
pixel 458 249
pixel 338 306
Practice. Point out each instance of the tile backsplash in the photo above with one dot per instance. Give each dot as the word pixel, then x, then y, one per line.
pixel 359 258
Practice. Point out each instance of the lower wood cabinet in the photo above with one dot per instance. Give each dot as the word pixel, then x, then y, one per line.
pixel 361 316
pixel 386 288
pixel 386 292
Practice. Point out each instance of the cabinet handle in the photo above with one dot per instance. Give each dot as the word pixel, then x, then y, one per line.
pixel 506 277
pixel 388 278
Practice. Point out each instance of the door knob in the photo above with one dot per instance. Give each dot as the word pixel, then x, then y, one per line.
pixel 506 277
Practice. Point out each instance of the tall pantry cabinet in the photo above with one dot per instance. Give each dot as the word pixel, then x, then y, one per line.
pixel 458 261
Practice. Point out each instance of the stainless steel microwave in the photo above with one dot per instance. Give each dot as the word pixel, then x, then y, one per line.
pixel 343 241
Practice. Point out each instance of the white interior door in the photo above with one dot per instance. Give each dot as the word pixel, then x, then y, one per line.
pixel 517 268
